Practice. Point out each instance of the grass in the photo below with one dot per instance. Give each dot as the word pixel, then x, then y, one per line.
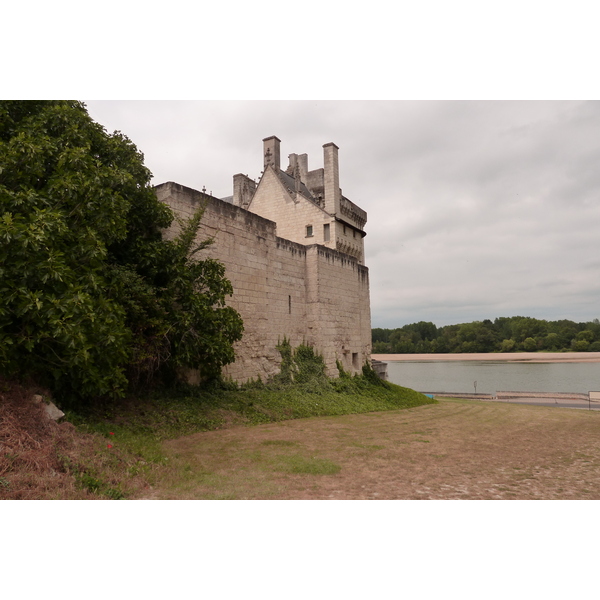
pixel 299 464
pixel 142 424
pixel 129 436
pixel 363 447
pixel 452 450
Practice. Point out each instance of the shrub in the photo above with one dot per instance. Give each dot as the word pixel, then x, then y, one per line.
pixel 93 297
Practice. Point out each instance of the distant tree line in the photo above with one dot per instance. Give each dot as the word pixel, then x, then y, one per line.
pixel 505 334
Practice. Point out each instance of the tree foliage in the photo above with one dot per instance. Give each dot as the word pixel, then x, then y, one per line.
pixel 93 297
pixel 505 334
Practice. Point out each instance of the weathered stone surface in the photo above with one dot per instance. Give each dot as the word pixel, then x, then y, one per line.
pixel 380 368
pixel 53 411
pixel 308 289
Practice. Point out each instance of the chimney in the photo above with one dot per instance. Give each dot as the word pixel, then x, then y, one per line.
pixel 271 152
pixel 331 178
pixel 293 158
pixel 294 171
pixel 243 190
pixel 303 164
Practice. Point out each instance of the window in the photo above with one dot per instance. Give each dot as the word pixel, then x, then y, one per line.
pixel 290 305
pixel 309 231
pixel 355 360
pixel 326 232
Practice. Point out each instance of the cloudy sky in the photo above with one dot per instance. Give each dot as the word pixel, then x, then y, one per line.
pixel 476 209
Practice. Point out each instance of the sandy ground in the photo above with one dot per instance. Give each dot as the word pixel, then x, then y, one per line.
pixel 451 450
pixel 496 356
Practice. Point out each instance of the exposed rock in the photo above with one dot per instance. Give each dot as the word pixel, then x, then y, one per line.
pixel 53 411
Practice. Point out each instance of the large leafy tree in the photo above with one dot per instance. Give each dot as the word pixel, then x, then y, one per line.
pixel 92 295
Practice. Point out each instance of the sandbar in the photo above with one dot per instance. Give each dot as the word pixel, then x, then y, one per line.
pixel 543 357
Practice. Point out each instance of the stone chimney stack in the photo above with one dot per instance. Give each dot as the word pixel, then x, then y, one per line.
pixel 294 171
pixel 303 164
pixel 331 178
pixel 243 190
pixel 293 158
pixel 271 151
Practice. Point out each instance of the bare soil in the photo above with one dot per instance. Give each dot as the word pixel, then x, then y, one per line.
pixel 457 449
pixel 43 460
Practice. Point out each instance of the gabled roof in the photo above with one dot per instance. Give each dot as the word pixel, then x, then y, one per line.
pixel 290 183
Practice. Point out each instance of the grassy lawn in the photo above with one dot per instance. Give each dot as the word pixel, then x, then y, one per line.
pixel 120 449
pixel 454 449
pixel 341 439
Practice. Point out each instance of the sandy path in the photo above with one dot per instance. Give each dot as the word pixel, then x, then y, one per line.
pixel 496 356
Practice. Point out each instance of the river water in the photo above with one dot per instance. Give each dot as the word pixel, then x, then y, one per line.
pixel 492 377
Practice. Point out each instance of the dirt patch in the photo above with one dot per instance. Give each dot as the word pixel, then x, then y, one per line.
pixel 44 460
pixel 452 450
pixel 30 448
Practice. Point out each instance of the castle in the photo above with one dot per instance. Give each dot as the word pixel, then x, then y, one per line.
pixel 293 249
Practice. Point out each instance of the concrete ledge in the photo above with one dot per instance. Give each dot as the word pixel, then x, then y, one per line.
pixel 460 395
pixel 554 395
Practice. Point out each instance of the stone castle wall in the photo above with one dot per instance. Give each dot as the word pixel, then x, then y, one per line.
pixel 291 217
pixel 309 294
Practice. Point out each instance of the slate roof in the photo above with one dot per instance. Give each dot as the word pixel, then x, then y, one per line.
pixel 290 183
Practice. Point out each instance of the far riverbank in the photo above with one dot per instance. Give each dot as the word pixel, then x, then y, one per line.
pixel 530 357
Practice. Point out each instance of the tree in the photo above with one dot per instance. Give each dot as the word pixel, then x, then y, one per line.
pixel 424 330
pixel 401 341
pixel 381 348
pixel 528 327
pixel 552 341
pixel 380 335
pixel 580 345
pixel 476 337
pixel 92 294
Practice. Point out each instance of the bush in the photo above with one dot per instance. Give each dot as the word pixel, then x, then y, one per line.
pixel 93 297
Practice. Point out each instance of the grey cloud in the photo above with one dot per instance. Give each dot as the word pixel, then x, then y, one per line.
pixel 476 209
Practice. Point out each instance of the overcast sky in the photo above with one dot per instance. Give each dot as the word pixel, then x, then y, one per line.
pixel 476 209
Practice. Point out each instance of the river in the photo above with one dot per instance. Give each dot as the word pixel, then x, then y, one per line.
pixel 493 376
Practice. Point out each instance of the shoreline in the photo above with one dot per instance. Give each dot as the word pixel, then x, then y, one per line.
pixel 533 357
